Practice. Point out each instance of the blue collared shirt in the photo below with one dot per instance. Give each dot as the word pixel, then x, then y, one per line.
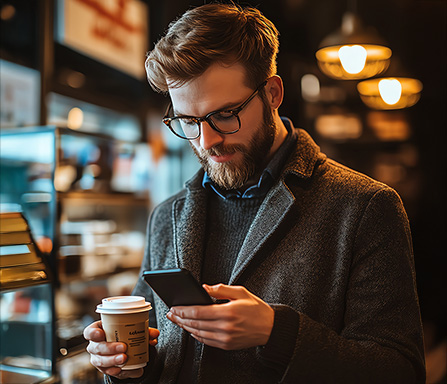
pixel 268 176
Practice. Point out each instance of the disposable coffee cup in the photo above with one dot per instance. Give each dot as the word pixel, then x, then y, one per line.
pixel 126 319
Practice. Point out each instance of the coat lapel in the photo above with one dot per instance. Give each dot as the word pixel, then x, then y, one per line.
pixel 271 213
pixel 189 216
pixel 277 203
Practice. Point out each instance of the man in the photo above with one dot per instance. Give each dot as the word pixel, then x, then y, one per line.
pixel 314 259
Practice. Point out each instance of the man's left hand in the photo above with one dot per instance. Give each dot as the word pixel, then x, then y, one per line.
pixel 244 321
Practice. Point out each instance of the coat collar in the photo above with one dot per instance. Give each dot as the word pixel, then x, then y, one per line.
pixel 189 219
pixel 305 157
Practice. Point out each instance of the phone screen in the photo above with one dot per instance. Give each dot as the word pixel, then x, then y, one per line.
pixel 177 287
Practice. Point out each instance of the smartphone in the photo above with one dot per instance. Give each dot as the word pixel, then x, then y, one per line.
pixel 177 287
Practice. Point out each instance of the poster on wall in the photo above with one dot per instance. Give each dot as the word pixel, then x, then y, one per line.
pixel 19 95
pixel 114 32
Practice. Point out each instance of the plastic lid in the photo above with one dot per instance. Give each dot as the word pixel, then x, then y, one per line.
pixel 123 304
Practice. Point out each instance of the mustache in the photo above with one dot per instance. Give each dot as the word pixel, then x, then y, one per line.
pixel 222 150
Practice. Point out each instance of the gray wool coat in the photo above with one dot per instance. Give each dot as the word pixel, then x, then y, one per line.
pixel 330 250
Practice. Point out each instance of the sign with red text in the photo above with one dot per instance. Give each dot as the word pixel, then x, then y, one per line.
pixel 112 31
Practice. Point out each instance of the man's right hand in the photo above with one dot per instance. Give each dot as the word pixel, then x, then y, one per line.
pixel 108 357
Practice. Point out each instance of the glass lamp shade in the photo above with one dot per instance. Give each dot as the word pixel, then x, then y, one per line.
pixel 390 93
pixel 353 52
pixel 353 67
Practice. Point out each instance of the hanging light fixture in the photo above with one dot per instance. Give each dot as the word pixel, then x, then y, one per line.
pixel 353 52
pixel 390 92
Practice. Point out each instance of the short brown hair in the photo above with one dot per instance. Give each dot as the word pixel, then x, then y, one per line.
pixel 209 34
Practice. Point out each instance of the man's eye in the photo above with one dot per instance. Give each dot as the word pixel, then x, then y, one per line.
pixel 223 116
pixel 187 121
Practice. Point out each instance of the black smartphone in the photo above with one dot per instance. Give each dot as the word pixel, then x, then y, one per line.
pixel 177 287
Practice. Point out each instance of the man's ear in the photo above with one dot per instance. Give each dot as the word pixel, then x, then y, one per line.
pixel 274 91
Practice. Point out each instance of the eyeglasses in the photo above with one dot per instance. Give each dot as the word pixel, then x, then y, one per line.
pixel 224 121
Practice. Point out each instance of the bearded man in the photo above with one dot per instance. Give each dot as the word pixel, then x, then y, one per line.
pixel 313 260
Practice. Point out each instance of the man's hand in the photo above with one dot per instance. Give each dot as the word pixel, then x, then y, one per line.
pixel 107 357
pixel 245 321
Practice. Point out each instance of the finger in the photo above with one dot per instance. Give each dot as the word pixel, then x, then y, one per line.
pixel 222 291
pixel 113 371
pixel 130 374
pixel 106 349
pixel 207 334
pixel 206 325
pixel 153 333
pixel 121 373
pixel 209 342
pixel 95 332
pixel 202 312
pixel 216 342
pixel 102 362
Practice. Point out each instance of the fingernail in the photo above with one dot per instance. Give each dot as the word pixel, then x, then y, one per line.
pixel 114 371
pixel 169 315
pixel 119 359
pixel 120 348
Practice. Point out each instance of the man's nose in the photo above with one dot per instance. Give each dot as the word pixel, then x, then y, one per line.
pixel 209 137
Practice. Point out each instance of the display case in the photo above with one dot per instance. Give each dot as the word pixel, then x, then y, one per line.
pixel 86 199
pixel 27 352
pixel 26 304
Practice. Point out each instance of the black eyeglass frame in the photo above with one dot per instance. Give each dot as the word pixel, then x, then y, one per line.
pixel 198 120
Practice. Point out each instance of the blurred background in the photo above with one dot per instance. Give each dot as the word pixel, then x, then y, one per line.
pixel 84 156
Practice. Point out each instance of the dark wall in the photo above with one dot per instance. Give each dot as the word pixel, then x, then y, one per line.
pixel 416 32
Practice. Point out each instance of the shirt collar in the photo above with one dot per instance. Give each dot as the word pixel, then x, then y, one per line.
pixel 269 175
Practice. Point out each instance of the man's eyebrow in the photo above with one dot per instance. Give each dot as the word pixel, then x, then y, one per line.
pixel 225 107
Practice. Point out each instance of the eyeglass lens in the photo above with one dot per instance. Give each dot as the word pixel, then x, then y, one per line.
pixel 189 127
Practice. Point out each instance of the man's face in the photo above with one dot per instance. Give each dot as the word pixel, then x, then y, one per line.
pixel 230 160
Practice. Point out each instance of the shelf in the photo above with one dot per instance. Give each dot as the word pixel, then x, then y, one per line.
pixel 104 198
pixel 68 347
pixel 25 376
pixel 13 278
pixel 104 276
pixel 24 321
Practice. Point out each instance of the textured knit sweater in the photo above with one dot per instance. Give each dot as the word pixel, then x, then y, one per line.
pixel 328 247
pixel 228 223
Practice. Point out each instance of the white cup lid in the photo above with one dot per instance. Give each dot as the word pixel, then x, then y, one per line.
pixel 123 304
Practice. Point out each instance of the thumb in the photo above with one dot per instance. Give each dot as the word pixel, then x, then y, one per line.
pixel 94 332
pixel 222 291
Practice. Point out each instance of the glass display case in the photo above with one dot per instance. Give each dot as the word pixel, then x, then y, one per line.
pixel 26 351
pixel 26 304
pixel 26 294
pixel 85 197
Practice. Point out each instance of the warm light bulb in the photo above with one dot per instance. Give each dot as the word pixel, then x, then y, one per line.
pixel 390 90
pixel 310 87
pixel 352 58
pixel 75 118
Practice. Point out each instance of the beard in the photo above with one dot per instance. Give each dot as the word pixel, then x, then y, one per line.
pixel 234 174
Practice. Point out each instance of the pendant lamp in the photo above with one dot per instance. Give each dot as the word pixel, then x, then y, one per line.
pixel 353 52
pixel 390 92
